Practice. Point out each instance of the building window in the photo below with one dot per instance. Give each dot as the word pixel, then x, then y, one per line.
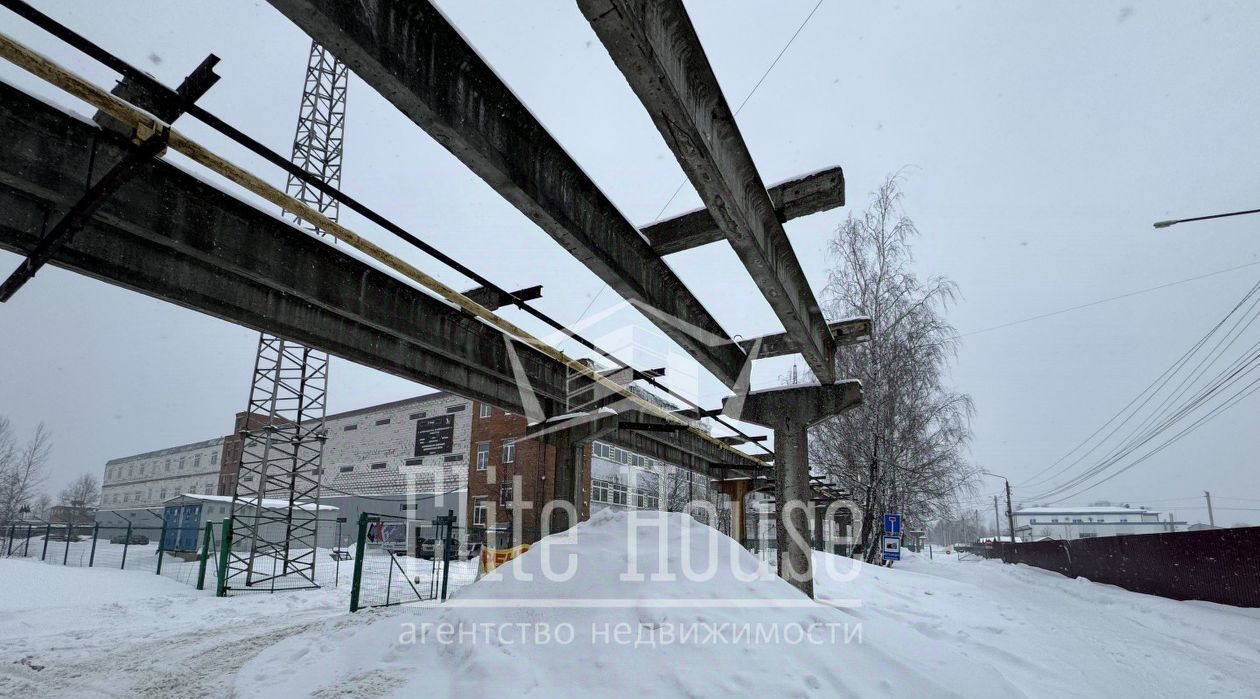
pixel 483 455
pixel 509 451
pixel 479 512
pixel 208 490
pixel 382 422
pixel 350 428
pixel 214 458
pixel 181 463
pixel 168 465
pixel 415 416
pixel 197 461
pixel 414 462
pixel 486 410
pixel 404 506
pixel 162 494
pixel 609 492
pixel 455 408
pixel 377 467
pixel 645 499
pixel 505 494
pixel 346 469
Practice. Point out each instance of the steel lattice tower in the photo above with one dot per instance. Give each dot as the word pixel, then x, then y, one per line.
pixel 273 543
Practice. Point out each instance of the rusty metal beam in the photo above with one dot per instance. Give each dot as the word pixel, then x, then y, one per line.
pixel 794 198
pixel 411 54
pixel 657 49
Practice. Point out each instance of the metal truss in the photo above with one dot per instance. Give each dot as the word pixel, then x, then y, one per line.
pixel 275 513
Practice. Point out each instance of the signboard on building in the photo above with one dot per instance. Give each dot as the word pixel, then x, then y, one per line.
pixel 435 435
pixel 892 523
pixel 891 550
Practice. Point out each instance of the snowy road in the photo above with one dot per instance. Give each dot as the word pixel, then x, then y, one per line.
pixel 943 628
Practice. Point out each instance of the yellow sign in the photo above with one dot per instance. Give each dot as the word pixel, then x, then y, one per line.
pixel 493 558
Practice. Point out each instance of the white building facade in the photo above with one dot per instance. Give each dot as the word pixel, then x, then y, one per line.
pixel 147 480
pixel 1066 523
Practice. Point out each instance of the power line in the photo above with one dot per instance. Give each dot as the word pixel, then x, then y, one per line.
pixel 1111 298
pixel 1154 387
pixel 751 92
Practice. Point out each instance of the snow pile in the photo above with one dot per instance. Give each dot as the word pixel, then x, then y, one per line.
pixel 490 639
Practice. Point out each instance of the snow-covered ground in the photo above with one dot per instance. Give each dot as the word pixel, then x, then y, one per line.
pixel 941 627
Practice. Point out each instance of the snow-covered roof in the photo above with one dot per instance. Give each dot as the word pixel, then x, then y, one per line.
pixel 1096 510
pixel 267 503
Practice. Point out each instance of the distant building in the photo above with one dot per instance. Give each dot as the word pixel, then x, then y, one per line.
pixel 75 513
pixel 1032 523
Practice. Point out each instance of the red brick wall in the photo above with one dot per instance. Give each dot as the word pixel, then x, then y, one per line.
pixel 535 464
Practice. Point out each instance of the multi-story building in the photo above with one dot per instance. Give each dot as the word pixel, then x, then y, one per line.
pixel 146 480
pixel 419 457
pixel 1032 523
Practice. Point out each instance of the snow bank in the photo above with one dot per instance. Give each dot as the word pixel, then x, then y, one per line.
pixel 593 619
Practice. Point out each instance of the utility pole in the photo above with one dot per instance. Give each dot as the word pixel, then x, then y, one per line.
pixel 1010 515
pixel 997 522
pixel 1211 519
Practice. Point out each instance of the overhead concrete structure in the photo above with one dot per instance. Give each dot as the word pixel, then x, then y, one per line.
pixel 408 52
pixel 790 411
pixel 170 235
pixel 798 197
pixel 656 47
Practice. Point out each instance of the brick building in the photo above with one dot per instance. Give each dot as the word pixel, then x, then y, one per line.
pixel 419 457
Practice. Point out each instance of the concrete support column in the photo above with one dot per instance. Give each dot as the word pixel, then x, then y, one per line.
pixel 790 411
pixel 737 491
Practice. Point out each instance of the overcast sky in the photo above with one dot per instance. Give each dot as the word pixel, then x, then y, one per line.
pixel 1039 141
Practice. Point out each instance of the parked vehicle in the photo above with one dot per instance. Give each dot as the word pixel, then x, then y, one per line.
pixel 455 550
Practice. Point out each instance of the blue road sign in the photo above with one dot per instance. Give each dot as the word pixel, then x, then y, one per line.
pixel 892 523
pixel 891 550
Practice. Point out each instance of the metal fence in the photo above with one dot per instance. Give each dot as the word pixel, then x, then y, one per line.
pixel 1216 565
pixel 188 554
pixel 401 561
pixel 156 549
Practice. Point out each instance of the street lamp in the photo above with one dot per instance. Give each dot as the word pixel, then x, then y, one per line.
pixel 1010 516
pixel 1173 222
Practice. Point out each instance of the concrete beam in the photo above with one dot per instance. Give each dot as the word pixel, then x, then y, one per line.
pixel 493 299
pixel 802 196
pixel 656 48
pixel 170 235
pixel 408 52
pixel 846 332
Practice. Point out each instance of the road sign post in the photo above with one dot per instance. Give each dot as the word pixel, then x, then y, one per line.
pixel 891 550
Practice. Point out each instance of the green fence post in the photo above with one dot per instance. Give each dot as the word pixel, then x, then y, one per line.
pixel 446 549
pixel 126 545
pixel 225 550
pixel 205 555
pixel 9 546
pixel 358 562
pixel 162 544
pixel 47 533
pixel 96 530
pixel 69 534
pixel 26 550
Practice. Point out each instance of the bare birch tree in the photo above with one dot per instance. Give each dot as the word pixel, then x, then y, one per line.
pixel 21 468
pixel 903 448
pixel 84 490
